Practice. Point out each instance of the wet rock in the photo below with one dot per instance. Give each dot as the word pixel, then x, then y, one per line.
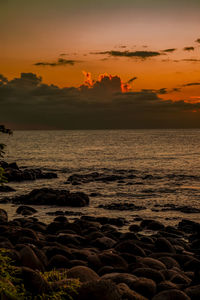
pixel 84 274
pixel 6 189
pixel 171 295
pixel 26 210
pixel 122 206
pixel 99 290
pixel 3 216
pixel 152 224
pixel 47 196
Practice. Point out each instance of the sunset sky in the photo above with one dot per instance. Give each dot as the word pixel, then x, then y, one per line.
pixel 150 45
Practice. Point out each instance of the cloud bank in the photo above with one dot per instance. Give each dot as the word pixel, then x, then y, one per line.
pixel 59 62
pixel 137 54
pixel 26 102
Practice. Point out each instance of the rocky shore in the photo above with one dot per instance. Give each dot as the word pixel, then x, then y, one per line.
pixel 148 261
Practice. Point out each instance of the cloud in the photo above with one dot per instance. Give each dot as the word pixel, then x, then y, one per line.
pixel 198 41
pixel 59 62
pixel 132 79
pixel 191 84
pixel 188 48
pixel 28 103
pixel 169 50
pixel 190 59
pixel 137 54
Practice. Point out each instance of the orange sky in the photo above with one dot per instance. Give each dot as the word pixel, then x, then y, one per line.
pixel 33 32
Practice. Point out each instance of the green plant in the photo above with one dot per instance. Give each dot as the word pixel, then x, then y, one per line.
pixel 12 285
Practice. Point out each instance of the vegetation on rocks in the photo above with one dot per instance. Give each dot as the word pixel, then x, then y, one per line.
pixel 13 286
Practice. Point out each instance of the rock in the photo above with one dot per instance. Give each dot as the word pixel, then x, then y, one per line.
pixel 164 245
pixel 57 262
pixel 25 210
pixel 34 282
pixel 193 292
pixel 169 262
pixel 47 196
pixel 130 247
pixel 166 285
pixel 152 224
pixel 144 286
pixel 3 216
pixel 103 243
pixel 152 263
pixel 114 260
pixel 155 275
pixel 127 293
pixel 171 295
pixel 84 274
pixel 126 278
pixel 6 189
pixel 99 290
pixel 29 259
pixel 122 206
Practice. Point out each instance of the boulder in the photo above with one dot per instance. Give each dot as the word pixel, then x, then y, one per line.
pixel 48 196
pixel 84 274
pixel 34 282
pixel 99 290
pixel 127 293
pixel 26 210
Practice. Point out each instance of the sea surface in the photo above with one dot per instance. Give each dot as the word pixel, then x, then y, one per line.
pixel 160 170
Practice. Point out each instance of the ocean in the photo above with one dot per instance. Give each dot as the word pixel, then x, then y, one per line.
pixel 157 169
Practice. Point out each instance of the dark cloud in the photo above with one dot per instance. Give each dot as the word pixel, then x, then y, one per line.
pixel 191 84
pixel 137 54
pixel 132 79
pixel 190 59
pixel 197 41
pixel 59 62
pixel 27 102
pixel 3 79
pixel 188 48
pixel 169 50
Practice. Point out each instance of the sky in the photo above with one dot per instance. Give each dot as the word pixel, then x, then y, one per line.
pixel 95 64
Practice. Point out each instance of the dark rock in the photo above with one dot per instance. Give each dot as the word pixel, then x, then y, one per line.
pixel 84 274
pixel 130 247
pixel 99 290
pixel 155 275
pixel 47 196
pixel 6 189
pixel 122 206
pixel 58 262
pixel 144 286
pixel 166 285
pixel 164 245
pixel 169 262
pixel 103 243
pixel 193 292
pixel 3 216
pixel 151 224
pixel 152 263
pixel 127 293
pixel 114 260
pixel 26 210
pixel 34 282
pixel 171 294
pixel 127 278
pixel 29 259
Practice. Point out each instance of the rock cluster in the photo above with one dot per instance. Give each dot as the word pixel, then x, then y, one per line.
pixel 110 265
pixel 14 173
pixel 48 196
